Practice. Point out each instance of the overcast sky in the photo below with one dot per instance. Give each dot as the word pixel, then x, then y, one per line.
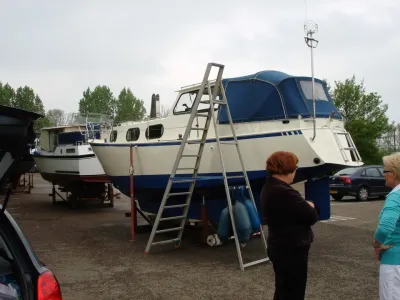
pixel 60 48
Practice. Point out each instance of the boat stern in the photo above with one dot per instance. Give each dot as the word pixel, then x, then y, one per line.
pixel 333 145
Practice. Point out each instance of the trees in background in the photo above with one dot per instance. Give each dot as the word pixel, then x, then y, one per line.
pixel 101 100
pixel 365 117
pixel 128 107
pixel 24 98
pixel 56 116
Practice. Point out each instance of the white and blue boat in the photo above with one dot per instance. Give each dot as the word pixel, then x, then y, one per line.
pixel 64 156
pixel 272 111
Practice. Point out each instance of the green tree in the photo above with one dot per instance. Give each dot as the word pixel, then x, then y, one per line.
pixel 390 142
pixel 56 116
pixel 364 115
pixel 100 100
pixel 128 107
pixel 6 94
pixel 25 98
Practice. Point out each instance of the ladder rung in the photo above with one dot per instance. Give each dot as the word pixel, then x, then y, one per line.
pixel 190 155
pixel 169 229
pixel 237 176
pixel 185 169
pixel 175 206
pixel 202 115
pixel 183 179
pixel 228 143
pixel 349 148
pixel 194 142
pixel 188 179
pixel 166 241
pixel 219 102
pixel 193 128
pixel 172 218
pixel 179 194
pixel 252 263
pixel 214 102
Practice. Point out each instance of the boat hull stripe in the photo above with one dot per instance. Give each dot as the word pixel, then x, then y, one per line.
pixel 177 143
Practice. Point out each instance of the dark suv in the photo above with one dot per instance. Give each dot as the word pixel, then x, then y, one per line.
pixel 362 182
pixel 22 274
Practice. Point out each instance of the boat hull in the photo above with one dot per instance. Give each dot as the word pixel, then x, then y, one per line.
pixel 153 163
pixel 64 171
pixel 149 190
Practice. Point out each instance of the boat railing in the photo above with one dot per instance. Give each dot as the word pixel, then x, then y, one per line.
pixel 91 125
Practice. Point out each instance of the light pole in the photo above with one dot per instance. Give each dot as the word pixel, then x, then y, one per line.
pixel 310 28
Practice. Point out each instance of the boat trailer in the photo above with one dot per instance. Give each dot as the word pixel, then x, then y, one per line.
pixel 101 190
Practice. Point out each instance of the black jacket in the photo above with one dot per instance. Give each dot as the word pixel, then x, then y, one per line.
pixel 288 216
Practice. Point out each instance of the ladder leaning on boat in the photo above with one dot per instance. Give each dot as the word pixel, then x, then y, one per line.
pixel 174 179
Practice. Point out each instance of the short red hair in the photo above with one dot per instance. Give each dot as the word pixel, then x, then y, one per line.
pixel 282 163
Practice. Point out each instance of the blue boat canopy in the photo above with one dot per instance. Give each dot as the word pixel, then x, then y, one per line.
pixel 274 95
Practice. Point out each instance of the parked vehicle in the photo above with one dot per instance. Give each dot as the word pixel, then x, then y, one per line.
pixel 22 274
pixel 361 182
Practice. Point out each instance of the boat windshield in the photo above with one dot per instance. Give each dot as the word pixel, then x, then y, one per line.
pixel 186 100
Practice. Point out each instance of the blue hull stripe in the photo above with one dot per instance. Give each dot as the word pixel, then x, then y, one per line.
pixel 177 143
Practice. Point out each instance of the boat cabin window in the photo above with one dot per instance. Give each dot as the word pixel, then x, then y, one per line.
pixel 71 150
pixel 306 87
pixel 113 136
pixel 53 140
pixel 154 131
pixel 185 102
pixel 132 134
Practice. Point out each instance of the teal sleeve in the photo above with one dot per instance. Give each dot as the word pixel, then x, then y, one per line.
pixel 389 217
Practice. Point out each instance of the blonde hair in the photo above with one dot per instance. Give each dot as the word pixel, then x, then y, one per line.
pixel 392 162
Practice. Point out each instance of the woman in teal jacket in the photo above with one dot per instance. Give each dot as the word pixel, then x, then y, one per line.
pixel 387 234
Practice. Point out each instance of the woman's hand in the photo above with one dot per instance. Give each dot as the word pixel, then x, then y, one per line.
pixel 379 248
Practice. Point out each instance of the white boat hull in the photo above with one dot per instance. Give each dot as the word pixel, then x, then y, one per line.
pixel 153 162
pixel 62 168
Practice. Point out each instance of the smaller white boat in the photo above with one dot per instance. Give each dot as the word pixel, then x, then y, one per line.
pixel 64 156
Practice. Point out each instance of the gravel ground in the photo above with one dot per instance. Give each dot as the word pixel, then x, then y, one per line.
pixel 90 251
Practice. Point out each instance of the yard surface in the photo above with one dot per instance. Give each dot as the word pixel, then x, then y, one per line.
pixel 90 251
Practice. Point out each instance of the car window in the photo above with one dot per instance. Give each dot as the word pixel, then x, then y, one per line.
pixel 381 169
pixel 347 171
pixel 373 172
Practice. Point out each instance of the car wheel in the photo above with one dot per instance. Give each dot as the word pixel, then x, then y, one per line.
pixel 362 194
pixel 337 197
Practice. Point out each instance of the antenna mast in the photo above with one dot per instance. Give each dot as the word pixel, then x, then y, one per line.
pixel 310 28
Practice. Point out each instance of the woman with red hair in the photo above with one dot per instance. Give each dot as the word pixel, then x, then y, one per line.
pixel 289 219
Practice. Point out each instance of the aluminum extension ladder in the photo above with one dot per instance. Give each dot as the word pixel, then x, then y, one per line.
pixel 176 179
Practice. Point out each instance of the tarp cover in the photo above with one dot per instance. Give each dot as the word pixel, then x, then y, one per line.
pixel 274 95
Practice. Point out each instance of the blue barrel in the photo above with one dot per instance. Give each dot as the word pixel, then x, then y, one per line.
pixel 224 225
pixel 242 222
pixel 253 214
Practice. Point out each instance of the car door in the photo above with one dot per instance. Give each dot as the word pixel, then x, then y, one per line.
pixel 376 181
